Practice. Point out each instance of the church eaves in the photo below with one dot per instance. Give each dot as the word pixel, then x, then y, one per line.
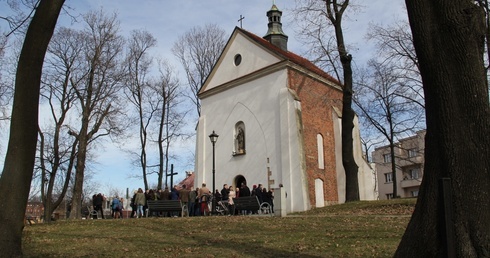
pixel 303 62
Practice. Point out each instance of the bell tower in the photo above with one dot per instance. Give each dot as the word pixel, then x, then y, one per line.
pixel 275 35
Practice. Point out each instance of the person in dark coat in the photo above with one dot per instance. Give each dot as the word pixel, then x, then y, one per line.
pixel 270 195
pixel 265 196
pixel 258 193
pixel 174 193
pixel 98 201
pixel 217 195
pixel 93 205
pixel 133 205
pixel 244 190
pixel 192 202
pixel 148 196
pixel 224 192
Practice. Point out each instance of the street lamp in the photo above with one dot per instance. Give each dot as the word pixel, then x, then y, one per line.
pixel 214 138
pixel 44 187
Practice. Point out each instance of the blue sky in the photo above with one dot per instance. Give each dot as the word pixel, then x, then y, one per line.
pixel 169 19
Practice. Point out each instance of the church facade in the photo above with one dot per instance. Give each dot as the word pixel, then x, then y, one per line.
pixel 278 118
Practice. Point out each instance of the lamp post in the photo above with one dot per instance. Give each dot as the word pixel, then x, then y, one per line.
pixel 44 188
pixel 213 137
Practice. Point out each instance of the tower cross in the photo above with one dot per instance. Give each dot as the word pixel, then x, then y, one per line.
pixel 240 20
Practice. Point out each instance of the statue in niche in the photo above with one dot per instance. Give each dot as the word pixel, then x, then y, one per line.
pixel 240 137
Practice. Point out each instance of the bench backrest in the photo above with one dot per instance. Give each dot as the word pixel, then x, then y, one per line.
pixel 164 205
pixel 247 203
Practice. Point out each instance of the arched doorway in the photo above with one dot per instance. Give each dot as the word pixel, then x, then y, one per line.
pixel 239 180
pixel 319 197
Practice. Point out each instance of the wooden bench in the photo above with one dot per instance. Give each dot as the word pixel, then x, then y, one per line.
pixel 30 219
pixel 251 203
pixel 247 203
pixel 165 206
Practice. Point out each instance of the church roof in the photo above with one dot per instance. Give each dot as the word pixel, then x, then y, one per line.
pixel 274 50
pixel 188 181
pixel 301 61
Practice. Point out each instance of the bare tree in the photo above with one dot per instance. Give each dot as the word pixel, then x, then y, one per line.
pixel 316 35
pixel 139 91
pixel 369 138
pixel 56 162
pixel 394 89
pixel 96 89
pixel 115 192
pixel 57 149
pixel 315 14
pixel 198 50
pixel 19 15
pixel 395 48
pixel 385 102
pixel 19 160
pixel 452 211
pixel 170 118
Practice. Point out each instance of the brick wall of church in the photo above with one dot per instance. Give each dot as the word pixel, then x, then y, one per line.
pixel 317 100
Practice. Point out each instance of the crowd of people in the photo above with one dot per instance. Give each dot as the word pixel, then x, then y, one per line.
pixel 196 201
pixel 227 195
pixel 116 206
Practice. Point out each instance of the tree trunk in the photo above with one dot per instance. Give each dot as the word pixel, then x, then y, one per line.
pixel 76 201
pixel 348 160
pixel 161 152
pixel 19 160
pixel 335 11
pixel 350 166
pixel 448 38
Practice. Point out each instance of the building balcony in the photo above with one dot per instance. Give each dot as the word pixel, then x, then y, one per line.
pixel 406 183
pixel 405 161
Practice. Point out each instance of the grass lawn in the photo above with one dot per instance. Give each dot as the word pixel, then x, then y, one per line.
pixel 359 229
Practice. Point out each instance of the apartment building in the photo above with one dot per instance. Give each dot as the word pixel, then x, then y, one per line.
pixel 409 158
pixel 34 209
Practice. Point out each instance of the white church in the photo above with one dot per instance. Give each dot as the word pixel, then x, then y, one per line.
pixel 278 118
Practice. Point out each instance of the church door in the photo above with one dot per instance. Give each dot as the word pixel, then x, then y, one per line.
pixel 239 180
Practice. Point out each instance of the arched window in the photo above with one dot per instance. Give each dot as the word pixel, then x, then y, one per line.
pixel 319 143
pixel 319 196
pixel 240 138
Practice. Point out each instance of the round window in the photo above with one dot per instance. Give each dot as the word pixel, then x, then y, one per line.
pixel 238 59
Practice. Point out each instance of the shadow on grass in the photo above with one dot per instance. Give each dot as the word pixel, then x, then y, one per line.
pixel 253 249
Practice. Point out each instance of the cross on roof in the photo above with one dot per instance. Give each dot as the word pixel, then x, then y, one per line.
pixel 240 20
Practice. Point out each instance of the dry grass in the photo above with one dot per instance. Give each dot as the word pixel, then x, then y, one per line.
pixel 360 229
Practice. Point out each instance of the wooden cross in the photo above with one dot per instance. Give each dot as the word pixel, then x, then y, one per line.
pixel 240 20
pixel 171 175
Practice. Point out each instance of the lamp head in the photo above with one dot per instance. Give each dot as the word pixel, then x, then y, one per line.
pixel 213 137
